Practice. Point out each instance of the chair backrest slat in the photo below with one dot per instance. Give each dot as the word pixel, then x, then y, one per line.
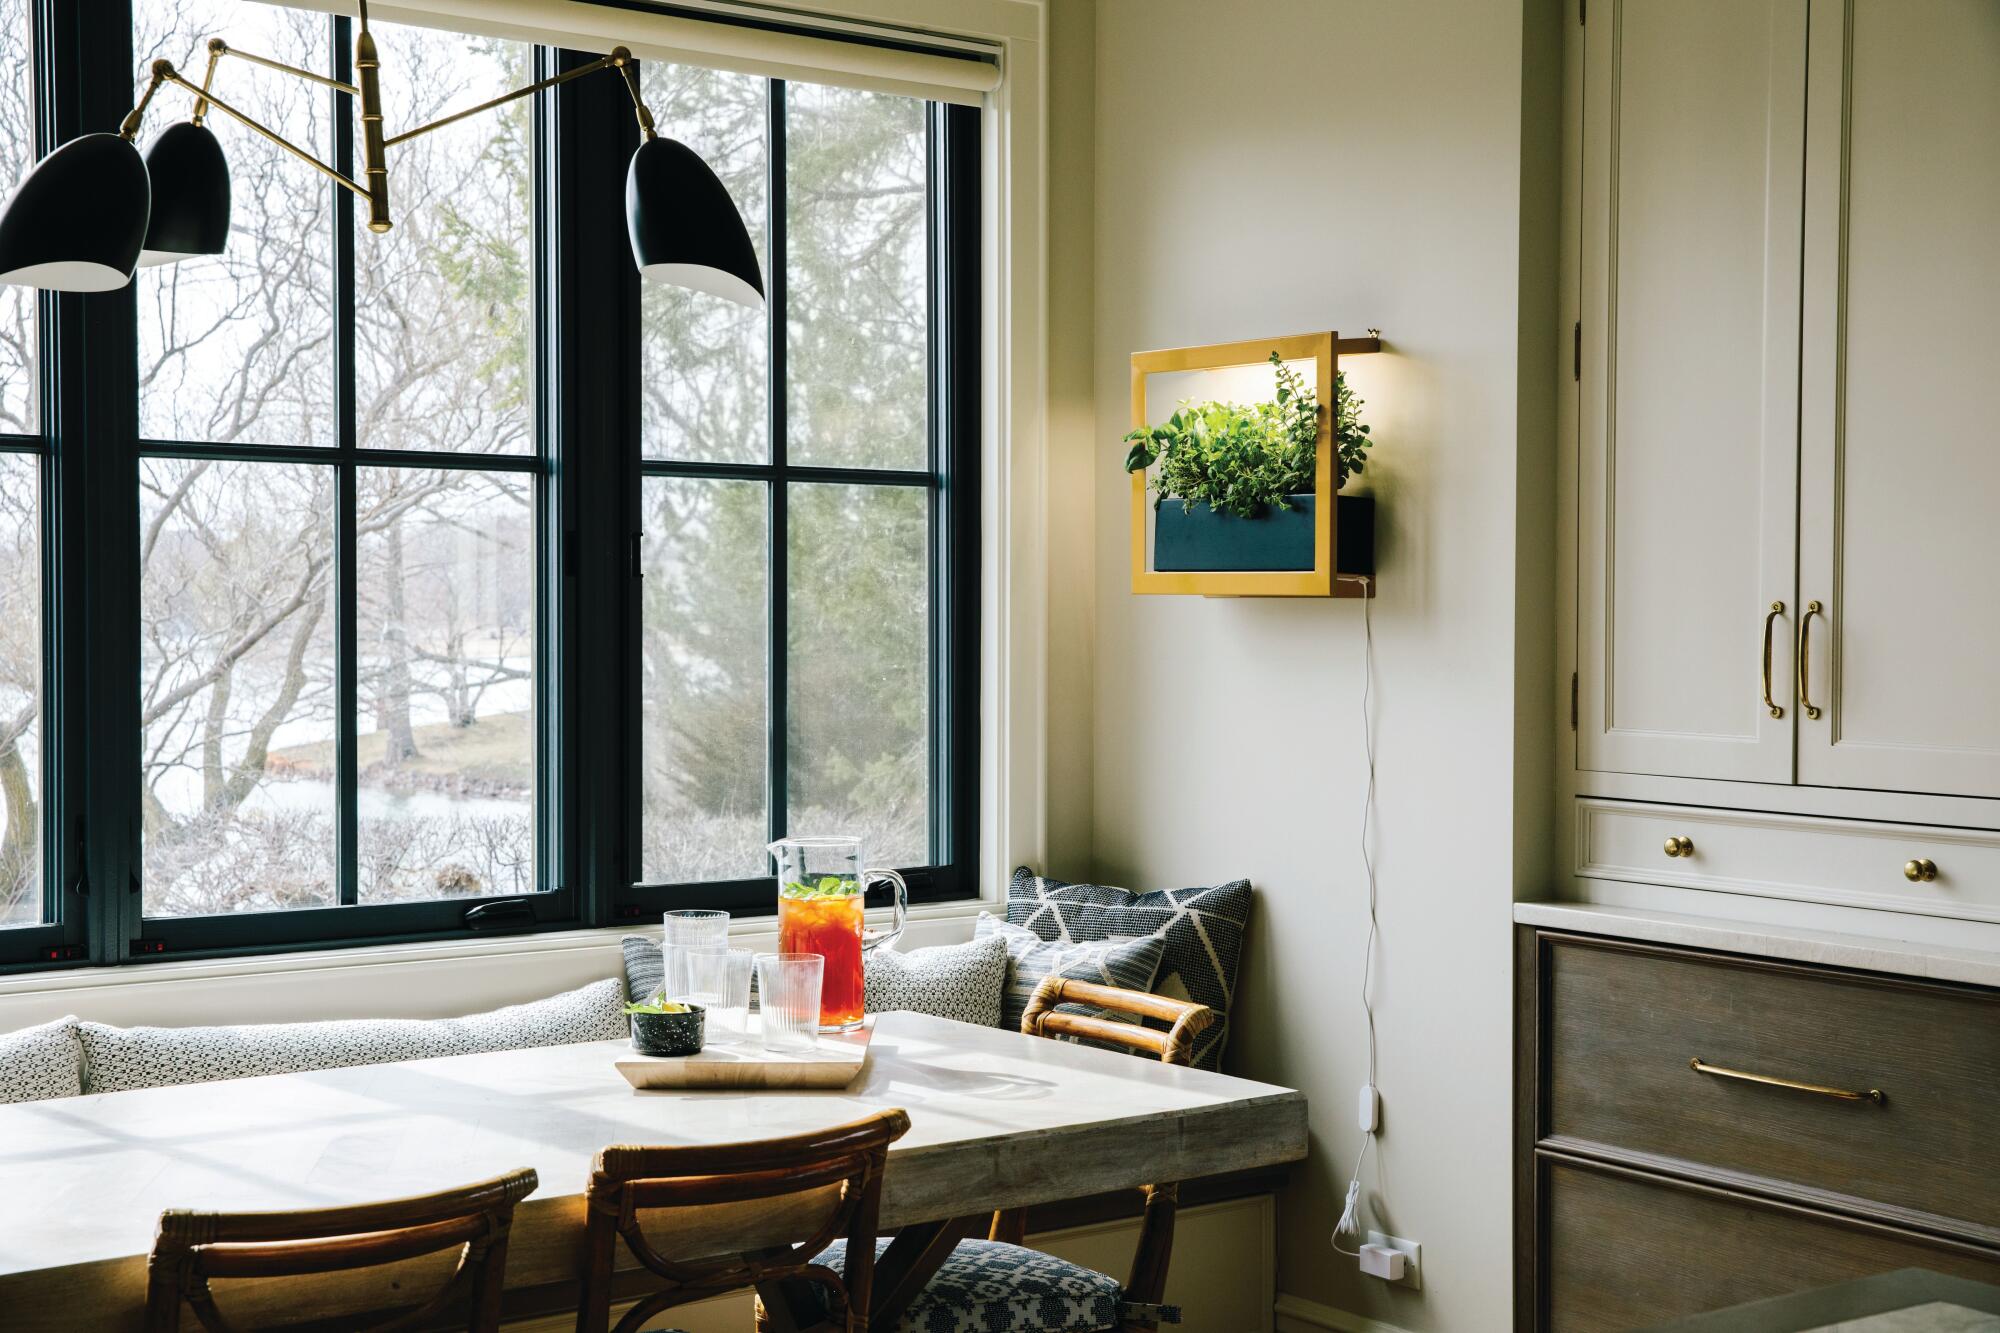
pixel 835 1173
pixel 193 1247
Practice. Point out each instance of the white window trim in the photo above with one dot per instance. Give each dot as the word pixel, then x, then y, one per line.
pixel 464 976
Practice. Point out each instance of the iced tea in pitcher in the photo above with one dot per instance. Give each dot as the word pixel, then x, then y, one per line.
pixel 821 883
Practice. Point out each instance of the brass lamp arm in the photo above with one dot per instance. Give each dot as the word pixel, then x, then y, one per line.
pixel 164 72
pixel 619 59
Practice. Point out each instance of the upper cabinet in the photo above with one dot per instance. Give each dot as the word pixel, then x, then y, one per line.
pixel 1899 504
pixel 1788 471
pixel 1688 466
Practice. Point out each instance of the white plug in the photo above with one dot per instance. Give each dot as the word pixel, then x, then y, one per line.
pixel 1383 1262
pixel 1371 1108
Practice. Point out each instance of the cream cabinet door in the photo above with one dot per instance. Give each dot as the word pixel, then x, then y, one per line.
pixel 1900 440
pixel 1687 469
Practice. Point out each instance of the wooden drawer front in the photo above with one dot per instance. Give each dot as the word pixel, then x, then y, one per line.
pixel 1627 1252
pixel 1845 861
pixel 1625 1020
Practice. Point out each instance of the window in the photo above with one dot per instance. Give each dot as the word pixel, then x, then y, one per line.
pixel 379 508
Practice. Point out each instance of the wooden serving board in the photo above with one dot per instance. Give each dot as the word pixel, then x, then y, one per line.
pixel 836 1062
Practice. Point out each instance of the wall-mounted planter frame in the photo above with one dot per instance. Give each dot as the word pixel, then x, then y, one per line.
pixel 1323 579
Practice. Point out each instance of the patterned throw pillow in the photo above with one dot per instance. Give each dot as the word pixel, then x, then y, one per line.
pixel 40 1062
pixel 1131 964
pixel 645 969
pixel 115 1059
pixel 1203 929
pixel 961 981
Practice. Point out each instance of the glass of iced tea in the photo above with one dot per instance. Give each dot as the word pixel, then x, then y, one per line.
pixel 821 885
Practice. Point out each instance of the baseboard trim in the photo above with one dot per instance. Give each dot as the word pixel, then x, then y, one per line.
pixel 1296 1314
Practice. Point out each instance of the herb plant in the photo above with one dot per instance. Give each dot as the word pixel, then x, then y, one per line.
pixel 1239 460
pixel 659 1004
pixel 826 886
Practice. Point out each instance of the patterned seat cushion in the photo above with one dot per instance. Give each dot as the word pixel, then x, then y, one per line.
pixel 40 1062
pixel 1130 964
pixel 961 981
pixel 1203 929
pixel 990 1287
pixel 115 1059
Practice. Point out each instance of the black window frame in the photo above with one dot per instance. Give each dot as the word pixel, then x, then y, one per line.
pixel 588 470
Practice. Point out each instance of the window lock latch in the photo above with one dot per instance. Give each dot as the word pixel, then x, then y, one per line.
pixel 508 914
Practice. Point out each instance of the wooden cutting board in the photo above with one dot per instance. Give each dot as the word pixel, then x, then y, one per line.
pixel 836 1062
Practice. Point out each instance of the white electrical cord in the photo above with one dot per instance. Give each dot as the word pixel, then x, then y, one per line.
pixel 1350 1220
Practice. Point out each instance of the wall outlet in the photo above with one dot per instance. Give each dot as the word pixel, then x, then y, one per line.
pixel 1413 1270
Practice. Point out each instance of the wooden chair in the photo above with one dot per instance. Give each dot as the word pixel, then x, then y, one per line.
pixel 1175 1046
pixel 757 1215
pixel 194 1247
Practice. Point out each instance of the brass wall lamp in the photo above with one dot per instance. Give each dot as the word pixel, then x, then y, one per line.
pixel 93 211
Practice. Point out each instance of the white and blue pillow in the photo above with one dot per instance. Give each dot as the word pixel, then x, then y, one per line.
pixel 1128 964
pixel 1202 929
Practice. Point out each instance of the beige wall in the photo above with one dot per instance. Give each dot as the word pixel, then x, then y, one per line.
pixel 1278 167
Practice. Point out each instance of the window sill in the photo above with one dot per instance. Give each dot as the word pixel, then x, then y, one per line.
pixel 429 980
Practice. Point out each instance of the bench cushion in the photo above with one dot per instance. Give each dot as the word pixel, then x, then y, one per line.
pixel 115 1059
pixel 40 1062
pixel 987 1286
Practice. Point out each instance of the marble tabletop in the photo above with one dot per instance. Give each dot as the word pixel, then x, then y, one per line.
pixel 998 1120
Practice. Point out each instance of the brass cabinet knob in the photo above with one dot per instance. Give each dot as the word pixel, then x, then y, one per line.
pixel 1679 845
pixel 1922 870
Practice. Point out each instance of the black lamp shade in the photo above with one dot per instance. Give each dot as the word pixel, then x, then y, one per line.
pixel 190 196
pixel 685 227
pixel 77 221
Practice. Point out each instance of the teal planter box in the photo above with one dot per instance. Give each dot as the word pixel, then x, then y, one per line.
pixel 1193 538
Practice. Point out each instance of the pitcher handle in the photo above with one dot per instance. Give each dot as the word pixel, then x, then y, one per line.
pixel 876 939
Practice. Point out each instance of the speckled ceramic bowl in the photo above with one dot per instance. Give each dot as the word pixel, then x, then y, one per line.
pixel 668 1034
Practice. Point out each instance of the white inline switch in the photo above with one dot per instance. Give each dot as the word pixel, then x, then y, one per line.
pixel 1370 1117
pixel 1393 1259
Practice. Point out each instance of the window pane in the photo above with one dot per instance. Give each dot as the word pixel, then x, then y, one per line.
pixel 856 264
pixel 442 313
pixel 18 398
pixel 239 346
pixel 859 748
pixel 704 359
pixel 446 683
pixel 704 680
pixel 236 685
pixel 20 690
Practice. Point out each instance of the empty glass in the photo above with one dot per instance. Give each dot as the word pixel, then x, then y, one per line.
pixel 703 929
pixel 719 981
pixel 788 999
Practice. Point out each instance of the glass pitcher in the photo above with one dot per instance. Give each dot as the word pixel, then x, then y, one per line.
pixel 821 882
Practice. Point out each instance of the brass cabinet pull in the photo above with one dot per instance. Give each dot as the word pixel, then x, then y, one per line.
pixel 1921 870
pixel 1679 845
pixel 1770 617
pixel 1817 1089
pixel 1805 659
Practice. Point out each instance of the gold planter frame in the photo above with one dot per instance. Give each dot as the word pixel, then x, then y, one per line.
pixel 1324 350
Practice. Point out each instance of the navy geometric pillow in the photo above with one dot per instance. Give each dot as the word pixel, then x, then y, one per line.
pixel 1203 929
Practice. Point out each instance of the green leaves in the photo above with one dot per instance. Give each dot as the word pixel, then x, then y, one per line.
pixel 826 886
pixel 1239 460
